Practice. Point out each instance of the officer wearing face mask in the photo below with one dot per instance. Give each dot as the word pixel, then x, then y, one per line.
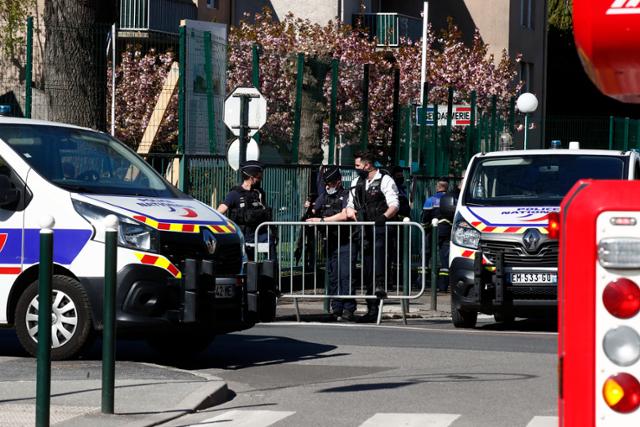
pixel 373 196
pixel 246 205
pixel 329 207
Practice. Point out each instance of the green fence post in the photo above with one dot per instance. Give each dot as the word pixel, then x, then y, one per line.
pixel 297 114
pixel 29 69
pixel 395 127
pixel 333 115
pixel 471 129
pixel 211 114
pixel 425 149
pixel 611 131
pixel 434 263
pixel 407 153
pixel 637 133
pixel 494 113
pixel 255 76
pixel 109 316
pixel 364 132
pixel 626 134
pixel 446 146
pixel 181 105
pixel 43 380
pixel 434 147
pixel 512 114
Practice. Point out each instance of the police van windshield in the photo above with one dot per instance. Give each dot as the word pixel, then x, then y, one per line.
pixel 536 180
pixel 84 161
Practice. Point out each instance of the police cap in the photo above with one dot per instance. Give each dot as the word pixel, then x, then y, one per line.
pixel 332 174
pixel 251 167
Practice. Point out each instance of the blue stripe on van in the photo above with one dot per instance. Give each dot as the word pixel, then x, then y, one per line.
pixel 67 244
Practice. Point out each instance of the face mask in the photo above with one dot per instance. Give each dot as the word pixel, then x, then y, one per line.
pixel 331 190
pixel 363 174
pixel 256 184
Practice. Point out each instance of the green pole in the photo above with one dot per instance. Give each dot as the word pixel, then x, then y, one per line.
pixel 109 314
pixel 434 263
pixel 407 152
pixel 425 149
pixel 471 128
pixel 208 71
pixel 611 131
pixel 395 127
pixel 435 162
pixel 512 114
pixel 626 133
pixel 334 110
pixel 29 69
pixel 406 266
pixel 181 104
pixel 295 143
pixel 255 76
pixel 364 132
pixel 446 146
pixel 43 380
pixel 494 113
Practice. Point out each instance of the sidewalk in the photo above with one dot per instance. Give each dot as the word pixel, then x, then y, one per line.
pixel 420 308
pixel 145 394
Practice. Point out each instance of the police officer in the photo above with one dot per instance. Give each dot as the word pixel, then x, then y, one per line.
pixel 430 210
pixel 246 205
pixel 330 206
pixel 403 197
pixel 372 197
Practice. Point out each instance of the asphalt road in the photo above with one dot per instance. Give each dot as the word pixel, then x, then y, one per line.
pixel 426 374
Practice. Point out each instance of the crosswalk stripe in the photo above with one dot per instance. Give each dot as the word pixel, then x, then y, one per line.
pixel 543 422
pixel 245 418
pixel 410 420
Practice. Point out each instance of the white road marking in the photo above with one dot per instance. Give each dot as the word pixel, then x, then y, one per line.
pixel 410 420
pixel 245 418
pixel 543 422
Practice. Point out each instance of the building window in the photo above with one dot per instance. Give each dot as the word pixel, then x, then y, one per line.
pixel 213 4
pixel 526 13
pixel 526 76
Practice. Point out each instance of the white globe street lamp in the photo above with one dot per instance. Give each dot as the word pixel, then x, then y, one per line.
pixel 527 103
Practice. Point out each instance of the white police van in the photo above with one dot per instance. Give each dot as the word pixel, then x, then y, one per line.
pixel 180 275
pixel 502 261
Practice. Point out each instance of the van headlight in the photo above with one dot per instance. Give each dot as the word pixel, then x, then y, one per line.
pixel 131 233
pixel 463 234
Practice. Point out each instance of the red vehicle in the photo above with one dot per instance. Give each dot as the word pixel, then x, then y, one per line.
pixel 599 260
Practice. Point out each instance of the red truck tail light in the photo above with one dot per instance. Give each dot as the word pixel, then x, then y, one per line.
pixel 622 393
pixel 621 297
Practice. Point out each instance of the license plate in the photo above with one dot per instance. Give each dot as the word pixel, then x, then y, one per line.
pixel 224 291
pixel 534 278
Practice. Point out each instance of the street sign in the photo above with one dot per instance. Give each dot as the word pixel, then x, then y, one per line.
pixel 461 115
pixel 257 110
pixel 233 154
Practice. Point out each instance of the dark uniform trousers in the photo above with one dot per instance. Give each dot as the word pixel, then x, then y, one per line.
pixel 339 269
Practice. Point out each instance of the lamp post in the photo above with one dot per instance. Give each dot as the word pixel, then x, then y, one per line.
pixel 527 103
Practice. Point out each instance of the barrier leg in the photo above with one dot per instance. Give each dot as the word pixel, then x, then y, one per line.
pixel 380 311
pixel 295 303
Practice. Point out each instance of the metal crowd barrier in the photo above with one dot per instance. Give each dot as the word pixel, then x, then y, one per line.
pixel 301 251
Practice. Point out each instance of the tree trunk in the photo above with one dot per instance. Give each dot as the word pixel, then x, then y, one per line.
pixel 314 108
pixel 75 60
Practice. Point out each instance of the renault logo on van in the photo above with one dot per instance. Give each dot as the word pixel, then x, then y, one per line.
pixel 209 240
pixel 531 239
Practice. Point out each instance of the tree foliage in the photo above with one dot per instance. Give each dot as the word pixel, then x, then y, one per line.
pixel 451 64
pixel 559 14
pixel 13 24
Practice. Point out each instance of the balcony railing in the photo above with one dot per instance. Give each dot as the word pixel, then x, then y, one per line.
pixel 389 28
pixel 155 15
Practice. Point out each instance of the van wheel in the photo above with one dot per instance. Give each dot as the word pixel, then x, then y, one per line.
pixel 70 315
pixel 462 318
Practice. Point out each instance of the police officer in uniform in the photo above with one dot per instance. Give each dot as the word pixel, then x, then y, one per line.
pixel 430 210
pixel 330 206
pixel 373 197
pixel 246 205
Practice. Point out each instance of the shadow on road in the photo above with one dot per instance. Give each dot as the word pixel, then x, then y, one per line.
pixel 523 325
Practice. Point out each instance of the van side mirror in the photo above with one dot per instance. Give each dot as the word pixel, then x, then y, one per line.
pixel 8 193
pixel 448 204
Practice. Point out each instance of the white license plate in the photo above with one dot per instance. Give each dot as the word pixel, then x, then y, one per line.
pixel 534 278
pixel 224 291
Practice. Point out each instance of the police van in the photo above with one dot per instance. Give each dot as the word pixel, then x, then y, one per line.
pixel 502 261
pixel 181 271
